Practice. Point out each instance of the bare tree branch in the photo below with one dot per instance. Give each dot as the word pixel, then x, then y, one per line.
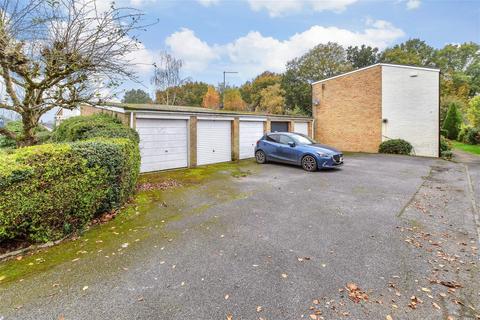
pixel 8 133
pixel 167 78
pixel 60 53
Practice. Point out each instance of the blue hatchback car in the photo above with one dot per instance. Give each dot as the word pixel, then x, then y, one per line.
pixel 298 149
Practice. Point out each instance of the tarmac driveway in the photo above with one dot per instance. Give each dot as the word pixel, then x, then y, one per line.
pixel 385 237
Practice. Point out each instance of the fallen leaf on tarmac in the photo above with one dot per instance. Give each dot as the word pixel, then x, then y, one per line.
pixel 426 290
pixel 226 297
pixel 259 308
pixel 414 301
pixel 229 317
pixel 313 317
pixel 61 317
pixel 125 245
pixel 284 275
pixel 388 317
pixel 85 288
pixel 436 305
pixel 140 299
pixel 316 301
pixel 451 284
pixel 355 293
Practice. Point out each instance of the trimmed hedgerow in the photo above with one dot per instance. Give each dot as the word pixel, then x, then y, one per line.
pixel 52 190
pixel 120 159
pixel 395 146
pixel 87 127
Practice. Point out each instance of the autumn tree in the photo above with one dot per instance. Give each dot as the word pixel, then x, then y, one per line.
pixel 60 54
pixel 250 91
pixel 191 93
pixel 272 100
pixel 323 61
pixel 362 56
pixel 413 52
pixel 211 99
pixel 233 100
pixel 473 111
pixel 136 96
pixel 460 65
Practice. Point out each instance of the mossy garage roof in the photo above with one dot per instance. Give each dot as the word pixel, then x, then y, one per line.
pixel 187 109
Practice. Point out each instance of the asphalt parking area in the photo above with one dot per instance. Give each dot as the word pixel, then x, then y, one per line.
pixel 385 236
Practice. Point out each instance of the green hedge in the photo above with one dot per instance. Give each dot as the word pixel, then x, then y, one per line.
pixel 87 127
pixel 395 146
pixel 51 190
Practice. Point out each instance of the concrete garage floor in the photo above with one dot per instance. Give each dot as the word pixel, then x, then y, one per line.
pixel 385 236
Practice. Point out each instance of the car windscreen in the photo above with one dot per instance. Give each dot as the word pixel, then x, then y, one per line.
pixel 301 139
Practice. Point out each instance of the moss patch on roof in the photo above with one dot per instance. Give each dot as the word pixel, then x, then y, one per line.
pixel 187 109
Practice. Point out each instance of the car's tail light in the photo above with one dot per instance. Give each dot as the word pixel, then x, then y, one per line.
pixel 258 142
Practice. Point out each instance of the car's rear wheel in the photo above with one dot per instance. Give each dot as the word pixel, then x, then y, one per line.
pixel 260 156
pixel 309 163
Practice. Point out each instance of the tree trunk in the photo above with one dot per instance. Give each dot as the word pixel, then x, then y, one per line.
pixel 27 137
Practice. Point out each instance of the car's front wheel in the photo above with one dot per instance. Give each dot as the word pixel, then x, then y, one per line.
pixel 309 163
pixel 260 156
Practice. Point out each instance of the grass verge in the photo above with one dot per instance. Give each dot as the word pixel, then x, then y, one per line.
pixel 473 149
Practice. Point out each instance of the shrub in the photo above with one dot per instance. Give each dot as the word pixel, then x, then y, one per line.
pixel 46 191
pixel 120 159
pixel 42 134
pixel 395 146
pixel 452 122
pixel 472 136
pixel 469 135
pixel 445 145
pixel 447 155
pixel 51 190
pixel 87 127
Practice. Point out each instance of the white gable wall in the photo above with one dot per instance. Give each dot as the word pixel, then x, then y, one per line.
pixel 410 99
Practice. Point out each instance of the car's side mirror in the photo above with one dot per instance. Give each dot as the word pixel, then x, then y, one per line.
pixel 291 144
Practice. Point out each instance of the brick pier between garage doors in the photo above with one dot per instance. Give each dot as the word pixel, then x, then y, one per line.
pixel 178 137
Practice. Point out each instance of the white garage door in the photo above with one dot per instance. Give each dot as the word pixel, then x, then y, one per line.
pixel 250 132
pixel 301 127
pixel 163 144
pixel 213 141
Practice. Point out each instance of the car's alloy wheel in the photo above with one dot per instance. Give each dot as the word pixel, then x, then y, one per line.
pixel 309 163
pixel 260 156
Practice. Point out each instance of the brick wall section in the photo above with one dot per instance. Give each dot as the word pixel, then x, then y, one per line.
pixel 235 132
pixel 89 110
pixel 192 152
pixel 349 115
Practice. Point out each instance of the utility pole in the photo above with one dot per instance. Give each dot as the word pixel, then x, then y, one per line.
pixel 224 85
